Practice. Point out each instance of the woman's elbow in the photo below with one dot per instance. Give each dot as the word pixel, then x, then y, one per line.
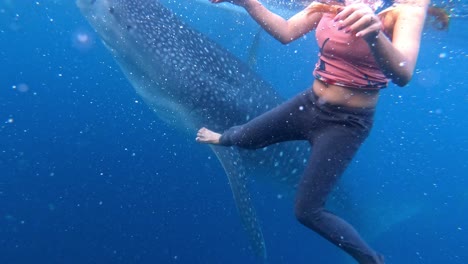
pixel 403 76
pixel 285 40
pixel 403 80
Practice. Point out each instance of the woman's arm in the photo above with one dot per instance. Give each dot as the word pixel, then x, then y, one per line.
pixel 396 57
pixel 281 29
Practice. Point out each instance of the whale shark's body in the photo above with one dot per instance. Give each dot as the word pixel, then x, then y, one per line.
pixel 192 82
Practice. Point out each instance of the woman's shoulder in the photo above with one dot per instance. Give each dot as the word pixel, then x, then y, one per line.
pixel 387 10
pixel 404 5
pixel 438 17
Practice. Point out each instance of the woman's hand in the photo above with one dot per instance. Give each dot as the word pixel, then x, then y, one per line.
pixel 359 19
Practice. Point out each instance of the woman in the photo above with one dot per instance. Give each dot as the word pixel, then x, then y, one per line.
pixel 359 53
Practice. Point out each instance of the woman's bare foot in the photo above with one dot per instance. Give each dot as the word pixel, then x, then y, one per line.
pixel 204 135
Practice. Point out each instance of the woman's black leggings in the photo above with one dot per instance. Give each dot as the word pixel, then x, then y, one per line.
pixel 335 133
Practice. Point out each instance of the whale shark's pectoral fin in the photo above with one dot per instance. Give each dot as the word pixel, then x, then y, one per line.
pixel 235 171
pixel 253 50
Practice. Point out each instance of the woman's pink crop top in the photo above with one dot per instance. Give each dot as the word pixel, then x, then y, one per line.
pixel 345 59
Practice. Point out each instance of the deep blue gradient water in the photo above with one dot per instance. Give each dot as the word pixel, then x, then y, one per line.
pixel 88 174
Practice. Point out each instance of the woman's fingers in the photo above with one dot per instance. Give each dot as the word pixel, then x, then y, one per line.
pixel 359 19
pixel 370 31
pixel 352 13
pixel 349 21
pixel 345 12
pixel 364 22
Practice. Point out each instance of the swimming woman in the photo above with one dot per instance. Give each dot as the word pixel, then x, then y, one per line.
pixel 360 51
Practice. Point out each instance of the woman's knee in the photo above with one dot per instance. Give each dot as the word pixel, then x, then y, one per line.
pixel 307 214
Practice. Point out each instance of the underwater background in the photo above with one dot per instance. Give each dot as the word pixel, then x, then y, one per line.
pixel 88 173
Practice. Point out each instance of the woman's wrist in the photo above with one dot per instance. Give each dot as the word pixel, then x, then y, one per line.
pixel 373 37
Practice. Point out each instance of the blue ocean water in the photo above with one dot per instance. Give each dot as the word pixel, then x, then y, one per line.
pixel 88 174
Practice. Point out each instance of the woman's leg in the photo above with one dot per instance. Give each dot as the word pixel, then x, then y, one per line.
pixel 333 148
pixel 288 121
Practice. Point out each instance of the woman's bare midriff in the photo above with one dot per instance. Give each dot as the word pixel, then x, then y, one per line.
pixel 339 95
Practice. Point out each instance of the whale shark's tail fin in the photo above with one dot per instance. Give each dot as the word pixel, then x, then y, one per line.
pixel 235 171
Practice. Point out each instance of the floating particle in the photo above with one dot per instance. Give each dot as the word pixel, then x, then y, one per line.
pixel 82 40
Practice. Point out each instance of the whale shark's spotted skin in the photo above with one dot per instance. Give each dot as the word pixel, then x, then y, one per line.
pixel 192 82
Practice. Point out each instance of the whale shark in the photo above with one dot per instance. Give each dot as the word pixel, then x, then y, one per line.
pixel 190 81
